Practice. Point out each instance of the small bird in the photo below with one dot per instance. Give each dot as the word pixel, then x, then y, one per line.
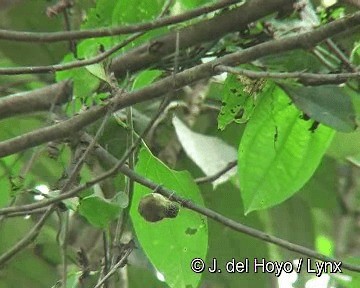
pixel 154 207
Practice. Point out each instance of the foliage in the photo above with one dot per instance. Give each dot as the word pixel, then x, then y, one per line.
pixel 295 142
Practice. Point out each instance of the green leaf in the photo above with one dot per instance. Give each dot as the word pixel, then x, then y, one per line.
pixel 191 4
pixel 136 11
pixel 327 104
pixel 240 96
pixel 100 15
pixel 84 82
pixel 355 54
pixel 168 243
pixel 97 70
pixel 98 211
pixel 109 13
pixel 145 78
pixel 277 153
pixel 121 199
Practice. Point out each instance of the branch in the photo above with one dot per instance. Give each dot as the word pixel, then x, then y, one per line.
pixel 205 31
pixel 37 100
pixel 128 249
pixel 103 154
pixel 70 65
pixel 189 36
pixel 335 49
pixel 101 32
pixel 27 213
pixel 73 192
pixel 161 87
pixel 233 224
pixel 74 64
pixel 302 76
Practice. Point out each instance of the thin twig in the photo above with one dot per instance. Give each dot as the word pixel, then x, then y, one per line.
pixel 26 213
pixel 102 32
pixel 335 49
pixel 107 262
pixel 212 178
pixel 64 244
pixel 70 65
pixel 67 22
pixel 120 263
pixel 336 77
pixel 75 171
pixel 323 60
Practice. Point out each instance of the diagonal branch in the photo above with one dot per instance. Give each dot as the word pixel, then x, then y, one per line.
pixel 234 20
pixel 102 154
pixel 112 31
pixel 147 54
pixel 188 204
pixel 161 87
pixel 74 64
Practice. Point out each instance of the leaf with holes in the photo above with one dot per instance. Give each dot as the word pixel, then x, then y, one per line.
pixel 240 97
pixel 277 153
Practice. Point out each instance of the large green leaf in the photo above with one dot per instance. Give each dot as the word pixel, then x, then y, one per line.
pixel 278 154
pixel 171 244
pixel 327 104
